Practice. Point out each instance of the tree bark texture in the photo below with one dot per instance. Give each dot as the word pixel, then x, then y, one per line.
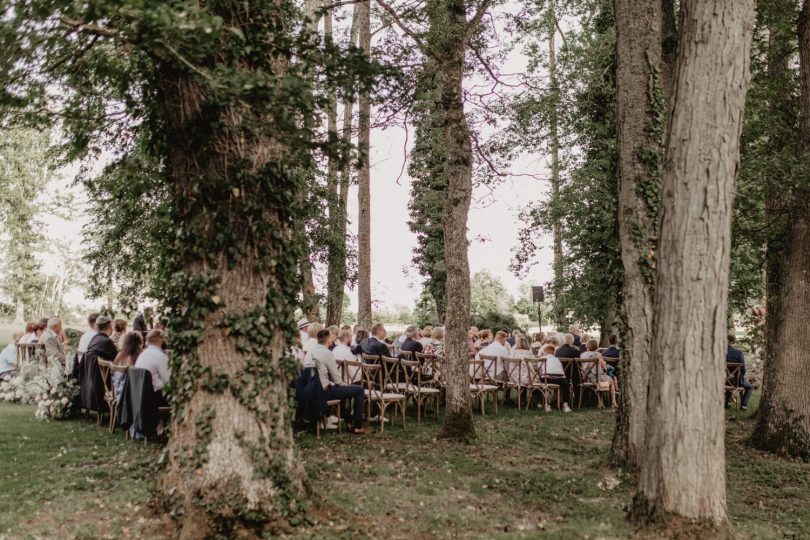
pixel 640 119
pixel 338 189
pixel 364 182
pixel 231 466
pixel 682 471
pixel 450 22
pixel 784 412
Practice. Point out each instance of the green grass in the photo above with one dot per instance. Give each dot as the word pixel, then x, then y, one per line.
pixel 527 475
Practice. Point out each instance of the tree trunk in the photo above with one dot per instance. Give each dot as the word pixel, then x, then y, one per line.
pixel 19 311
pixel 640 123
pixel 452 21
pixel 231 466
pixel 784 413
pixel 608 322
pixel 682 471
pixel 364 183
pixel 555 164
pixel 310 298
pixel 336 272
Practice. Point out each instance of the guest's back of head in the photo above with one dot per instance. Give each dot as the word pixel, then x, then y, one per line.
pixel 522 343
pixel 313 330
pixel 592 345
pixel 569 339
pixel 131 345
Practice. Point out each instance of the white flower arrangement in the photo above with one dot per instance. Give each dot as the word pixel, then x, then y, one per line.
pixel 49 387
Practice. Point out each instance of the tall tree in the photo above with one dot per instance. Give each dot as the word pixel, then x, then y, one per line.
pixel 682 470
pixel 23 176
pixel 554 146
pixel 223 92
pixel 784 416
pixel 364 181
pixel 641 112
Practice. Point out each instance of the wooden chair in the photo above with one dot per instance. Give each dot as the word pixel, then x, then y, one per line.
pixel 538 382
pixel 480 386
pixel 515 377
pixel 588 367
pixel 374 381
pixel 371 358
pixel 28 353
pixel 733 379
pixel 405 355
pixel 114 368
pixel 331 403
pixel 417 391
pixel 104 368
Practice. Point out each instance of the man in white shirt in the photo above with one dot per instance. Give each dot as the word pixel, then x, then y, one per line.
pixel 498 349
pixel 343 351
pixel 50 338
pixel 154 359
pixel 84 341
pixel 309 343
pixel 333 387
pixel 8 357
pixel 303 329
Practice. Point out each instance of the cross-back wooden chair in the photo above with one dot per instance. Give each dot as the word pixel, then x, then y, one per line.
pixel 371 358
pixel 538 381
pixel 116 398
pixel 417 390
pixel 590 367
pixel 405 355
pixel 375 380
pixel 28 353
pixel 480 385
pixel 104 368
pixel 515 377
pixel 734 380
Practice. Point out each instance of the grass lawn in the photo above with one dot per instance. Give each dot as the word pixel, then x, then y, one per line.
pixel 528 475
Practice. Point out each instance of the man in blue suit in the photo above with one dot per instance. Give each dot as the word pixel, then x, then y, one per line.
pixel 735 356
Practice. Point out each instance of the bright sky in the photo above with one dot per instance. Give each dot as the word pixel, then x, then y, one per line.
pixel 493 221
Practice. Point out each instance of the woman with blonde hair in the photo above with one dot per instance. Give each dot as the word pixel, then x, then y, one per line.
pixel 603 380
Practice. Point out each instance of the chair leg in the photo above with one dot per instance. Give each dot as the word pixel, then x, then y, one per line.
pixel 580 398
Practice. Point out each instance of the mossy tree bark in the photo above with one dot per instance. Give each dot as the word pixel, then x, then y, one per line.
pixel 641 94
pixel 364 182
pixel 682 470
pixel 554 147
pixel 784 415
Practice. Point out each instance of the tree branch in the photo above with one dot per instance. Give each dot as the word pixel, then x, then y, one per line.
pixel 476 20
pixel 408 31
pixel 89 28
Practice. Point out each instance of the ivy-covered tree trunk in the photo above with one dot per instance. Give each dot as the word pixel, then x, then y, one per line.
pixel 641 117
pixel 364 182
pixel 231 466
pixel 784 412
pixel 448 26
pixel 682 469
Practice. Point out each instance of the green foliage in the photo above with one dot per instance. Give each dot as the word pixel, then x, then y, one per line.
pixel 488 295
pixel 425 312
pixel 587 203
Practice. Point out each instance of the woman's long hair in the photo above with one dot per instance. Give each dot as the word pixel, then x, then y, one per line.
pixel 131 345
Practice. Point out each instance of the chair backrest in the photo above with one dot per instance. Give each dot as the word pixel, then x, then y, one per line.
pixel 437 364
pixel 372 376
pixel 733 372
pixel 371 358
pixel 421 357
pixel 391 374
pixel 490 365
pixel 406 355
pixel 588 366
pixel 411 374
pixel 569 364
pixel 514 369
pixel 29 352
pixel 104 367
pixel 536 371
pixel 478 376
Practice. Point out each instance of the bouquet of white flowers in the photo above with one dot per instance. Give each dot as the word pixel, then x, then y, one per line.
pixel 49 387
pixel 59 402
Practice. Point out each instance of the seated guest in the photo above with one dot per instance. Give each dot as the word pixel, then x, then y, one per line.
pixel 410 344
pixel 357 339
pixel 574 331
pixel 310 342
pixel 603 380
pixel 37 330
pixel 400 339
pixel 583 343
pixel 331 382
pixel 346 327
pixel 54 349
pixel 484 339
pixel 436 346
pixel 498 349
pixel 513 336
pixel 427 336
pixel 472 337
pixel 538 339
pixel 355 330
pixel 342 351
pixel 521 348
pixel 612 351
pixel 119 329
pixel 153 359
pixel 735 356
pixel 84 341
pixel 568 350
pixel 8 357
pixel 144 322
pixel 131 344
pixel 303 329
pixel 28 336
pixel 375 343
pixel 556 375
pixel 101 346
pixel 334 330
pixel 552 339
